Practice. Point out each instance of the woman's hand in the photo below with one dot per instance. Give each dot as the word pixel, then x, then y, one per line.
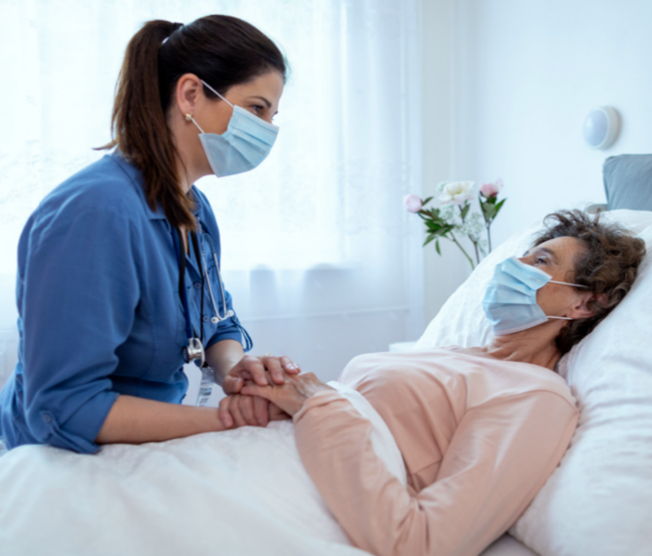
pixel 291 396
pixel 239 411
pixel 261 370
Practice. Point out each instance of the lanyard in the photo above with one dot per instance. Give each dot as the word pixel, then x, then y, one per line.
pixel 195 348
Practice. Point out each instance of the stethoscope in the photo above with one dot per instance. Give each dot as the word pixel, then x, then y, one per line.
pixel 194 351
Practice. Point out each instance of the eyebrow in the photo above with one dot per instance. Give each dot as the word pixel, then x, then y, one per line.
pixel 267 103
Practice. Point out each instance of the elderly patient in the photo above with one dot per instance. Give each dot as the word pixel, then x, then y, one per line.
pixel 480 429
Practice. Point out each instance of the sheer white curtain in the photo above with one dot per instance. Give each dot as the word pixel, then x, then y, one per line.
pixel 322 261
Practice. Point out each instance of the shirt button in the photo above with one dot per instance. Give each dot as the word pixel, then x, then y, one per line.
pixel 205 319
pixel 197 285
pixel 47 418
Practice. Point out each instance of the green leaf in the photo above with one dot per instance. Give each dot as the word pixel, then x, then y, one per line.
pixel 426 200
pixel 465 210
pixel 428 240
pixel 437 247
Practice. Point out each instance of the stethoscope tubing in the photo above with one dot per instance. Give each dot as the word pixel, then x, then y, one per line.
pixel 195 349
pixel 227 313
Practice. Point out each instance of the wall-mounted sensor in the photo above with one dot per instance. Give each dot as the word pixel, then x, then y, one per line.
pixel 601 127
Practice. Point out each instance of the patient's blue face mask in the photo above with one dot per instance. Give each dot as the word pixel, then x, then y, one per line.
pixel 243 146
pixel 510 301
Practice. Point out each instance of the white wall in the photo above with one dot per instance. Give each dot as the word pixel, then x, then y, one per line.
pixel 521 76
pixel 442 274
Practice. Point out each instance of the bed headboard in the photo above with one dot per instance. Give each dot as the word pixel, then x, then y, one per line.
pixel 628 181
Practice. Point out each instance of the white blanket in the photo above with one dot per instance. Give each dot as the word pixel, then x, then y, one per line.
pixel 241 492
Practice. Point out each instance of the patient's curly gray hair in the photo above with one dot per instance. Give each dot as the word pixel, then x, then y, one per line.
pixel 608 266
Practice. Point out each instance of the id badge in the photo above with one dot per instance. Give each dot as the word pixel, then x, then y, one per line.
pixel 206 386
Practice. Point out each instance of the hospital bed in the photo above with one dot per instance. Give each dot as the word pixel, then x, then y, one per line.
pixel 596 503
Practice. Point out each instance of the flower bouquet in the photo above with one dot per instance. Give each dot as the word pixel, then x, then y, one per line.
pixel 453 218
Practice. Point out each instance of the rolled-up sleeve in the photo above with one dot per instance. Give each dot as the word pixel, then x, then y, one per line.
pixel 80 291
pixel 499 457
pixel 228 329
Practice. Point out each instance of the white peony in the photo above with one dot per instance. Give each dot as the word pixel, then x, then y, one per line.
pixel 455 192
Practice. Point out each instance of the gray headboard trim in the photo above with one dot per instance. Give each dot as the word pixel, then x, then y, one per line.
pixel 628 181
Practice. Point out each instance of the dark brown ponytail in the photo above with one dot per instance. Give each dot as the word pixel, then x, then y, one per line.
pixel 222 50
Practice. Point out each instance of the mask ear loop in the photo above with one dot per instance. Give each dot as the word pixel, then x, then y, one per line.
pixel 565 284
pixel 218 94
pixel 189 118
pixel 568 284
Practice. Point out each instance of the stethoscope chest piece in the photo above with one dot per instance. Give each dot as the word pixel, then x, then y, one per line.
pixel 194 351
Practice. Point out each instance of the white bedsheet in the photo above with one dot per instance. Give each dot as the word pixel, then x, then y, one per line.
pixel 241 492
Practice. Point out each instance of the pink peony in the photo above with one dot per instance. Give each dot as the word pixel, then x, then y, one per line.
pixel 489 190
pixel 413 202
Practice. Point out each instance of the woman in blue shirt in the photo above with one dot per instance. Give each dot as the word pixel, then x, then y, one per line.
pixel 114 266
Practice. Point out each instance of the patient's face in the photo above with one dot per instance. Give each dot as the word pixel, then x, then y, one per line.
pixel 557 257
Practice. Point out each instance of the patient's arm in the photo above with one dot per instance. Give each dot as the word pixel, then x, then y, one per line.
pixel 498 459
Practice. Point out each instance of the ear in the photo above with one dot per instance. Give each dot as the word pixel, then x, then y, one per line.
pixel 187 93
pixel 581 310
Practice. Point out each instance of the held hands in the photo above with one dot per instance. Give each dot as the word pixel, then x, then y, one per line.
pixel 292 395
pixel 260 370
pixel 284 401
pixel 238 410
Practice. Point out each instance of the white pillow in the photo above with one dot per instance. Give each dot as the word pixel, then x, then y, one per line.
pixel 599 500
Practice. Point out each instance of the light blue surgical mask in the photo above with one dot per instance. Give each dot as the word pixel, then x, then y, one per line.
pixel 243 146
pixel 510 301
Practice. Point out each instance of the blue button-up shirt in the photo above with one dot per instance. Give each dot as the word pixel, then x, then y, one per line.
pixel 99 307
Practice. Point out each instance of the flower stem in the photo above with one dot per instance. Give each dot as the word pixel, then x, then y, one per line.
pixel 454 239
pixel 477 253
pixel 489 235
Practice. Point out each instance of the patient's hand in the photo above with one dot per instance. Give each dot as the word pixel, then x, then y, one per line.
pixel 262 370
pixel 239 411
pixel 290 396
